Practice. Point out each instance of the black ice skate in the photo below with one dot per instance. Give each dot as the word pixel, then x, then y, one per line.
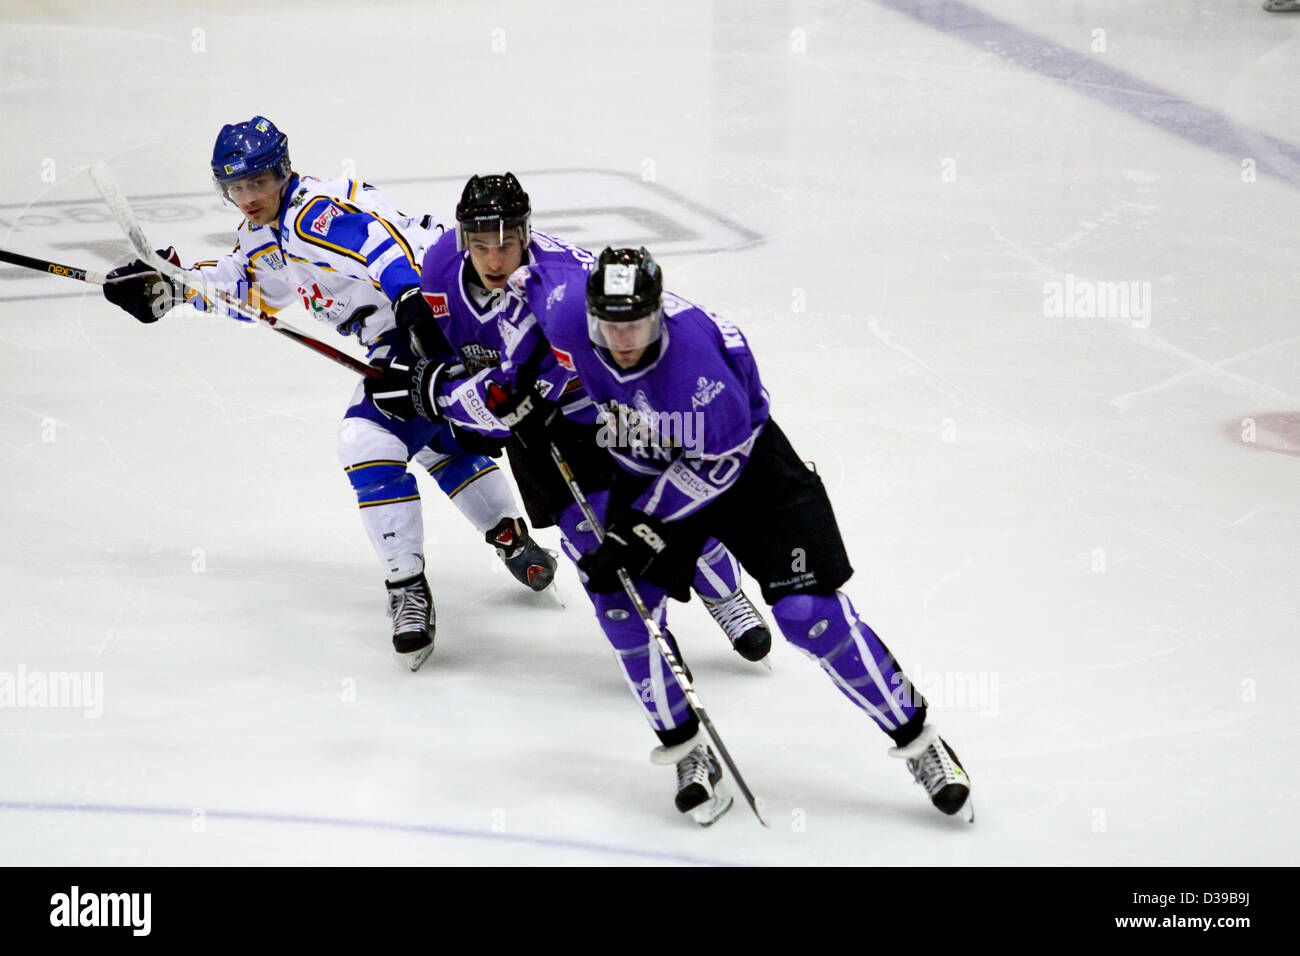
pixel 700 789
pixel 935 766
pixel 411 607
pixel 743 625
pixel 529 562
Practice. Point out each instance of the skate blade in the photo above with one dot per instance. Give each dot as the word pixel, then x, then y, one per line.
pixel 967 811
pixel 416 659
pixel 766 661
pixel 710 813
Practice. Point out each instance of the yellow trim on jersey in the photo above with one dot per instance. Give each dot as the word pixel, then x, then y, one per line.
pixel 472 478
pixel 388 501
pixel 317 240
pixel 370 464
pixel 392 231
pixel 352 189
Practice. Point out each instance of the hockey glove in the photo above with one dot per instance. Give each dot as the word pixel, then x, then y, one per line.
pixel 526 414
pixel 406 388
pixel 414 316
pixel 631 544
pixel 476 443
pixel 141 290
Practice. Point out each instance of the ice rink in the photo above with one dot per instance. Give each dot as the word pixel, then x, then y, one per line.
pixel 1021 279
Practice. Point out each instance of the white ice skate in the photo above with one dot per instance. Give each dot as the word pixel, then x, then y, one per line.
pixel 743 625
pixel 701 791
pixel 411 607
pixel 934 765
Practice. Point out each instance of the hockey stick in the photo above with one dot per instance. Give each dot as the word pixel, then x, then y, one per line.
pixel 125 216
pixel 54 268
pixel 665 649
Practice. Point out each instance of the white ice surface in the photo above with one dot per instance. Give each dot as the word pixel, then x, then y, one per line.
pixel 1060 510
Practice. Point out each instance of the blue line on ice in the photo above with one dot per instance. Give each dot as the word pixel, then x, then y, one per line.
pixel 426 829
pixel 1111 87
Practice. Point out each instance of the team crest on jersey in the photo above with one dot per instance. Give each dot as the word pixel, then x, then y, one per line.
pixel 438 304
pixel 564 358
pixel 705 392
pixel 478 357
pixel 321 224
pixel 320 304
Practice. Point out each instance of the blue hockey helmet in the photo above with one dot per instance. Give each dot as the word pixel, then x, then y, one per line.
pixel 246 149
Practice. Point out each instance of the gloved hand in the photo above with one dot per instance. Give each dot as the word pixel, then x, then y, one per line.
pixel 526 414
pixel 476 443
pixel 414 316
pixel 632 544
pixel 406 387
pixel 141 290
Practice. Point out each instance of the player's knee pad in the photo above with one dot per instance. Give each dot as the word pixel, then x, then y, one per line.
pixel 815 623
pixel 455 473
pixel 623 627
pixel 382 483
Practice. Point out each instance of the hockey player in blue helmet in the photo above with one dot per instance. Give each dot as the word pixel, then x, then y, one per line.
pixel 340 249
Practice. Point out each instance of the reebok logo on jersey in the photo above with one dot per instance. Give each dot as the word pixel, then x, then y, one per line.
pixel 321 224
pixel 564 358
pixel 438 304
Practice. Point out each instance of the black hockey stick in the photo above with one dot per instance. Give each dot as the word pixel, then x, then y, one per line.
pixel 125 216
pixel 656 632
pixel 54 268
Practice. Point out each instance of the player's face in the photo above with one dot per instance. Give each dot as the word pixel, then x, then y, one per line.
pixel 494 258
pixel 258 197
pixel 627 341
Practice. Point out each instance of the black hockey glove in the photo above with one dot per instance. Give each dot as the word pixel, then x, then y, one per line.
pixel 476 443
pixel 141 290
pixel 631 544
pixel 407 388
pixel 526 414
pixel 415 317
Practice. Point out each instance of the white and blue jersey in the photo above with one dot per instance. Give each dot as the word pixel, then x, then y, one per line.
pixel 339 248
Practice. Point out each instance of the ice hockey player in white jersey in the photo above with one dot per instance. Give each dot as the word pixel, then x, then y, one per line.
pixel 339 248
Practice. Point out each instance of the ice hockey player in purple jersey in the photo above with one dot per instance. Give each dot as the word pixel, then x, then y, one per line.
pixel 464 280
pixel 351 259
pixel 690 424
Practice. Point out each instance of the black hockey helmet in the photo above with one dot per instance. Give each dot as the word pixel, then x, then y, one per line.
pixel 493 204
pixel 625 287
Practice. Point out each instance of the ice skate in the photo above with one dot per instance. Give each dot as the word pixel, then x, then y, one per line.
pixel 743 625
pixel 411 607
pixel 934 765
pixel 701 791
pixel 1282 6
pixel 530 563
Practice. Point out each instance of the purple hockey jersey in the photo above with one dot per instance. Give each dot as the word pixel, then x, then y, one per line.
pixel 478 322
pixel 689 418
